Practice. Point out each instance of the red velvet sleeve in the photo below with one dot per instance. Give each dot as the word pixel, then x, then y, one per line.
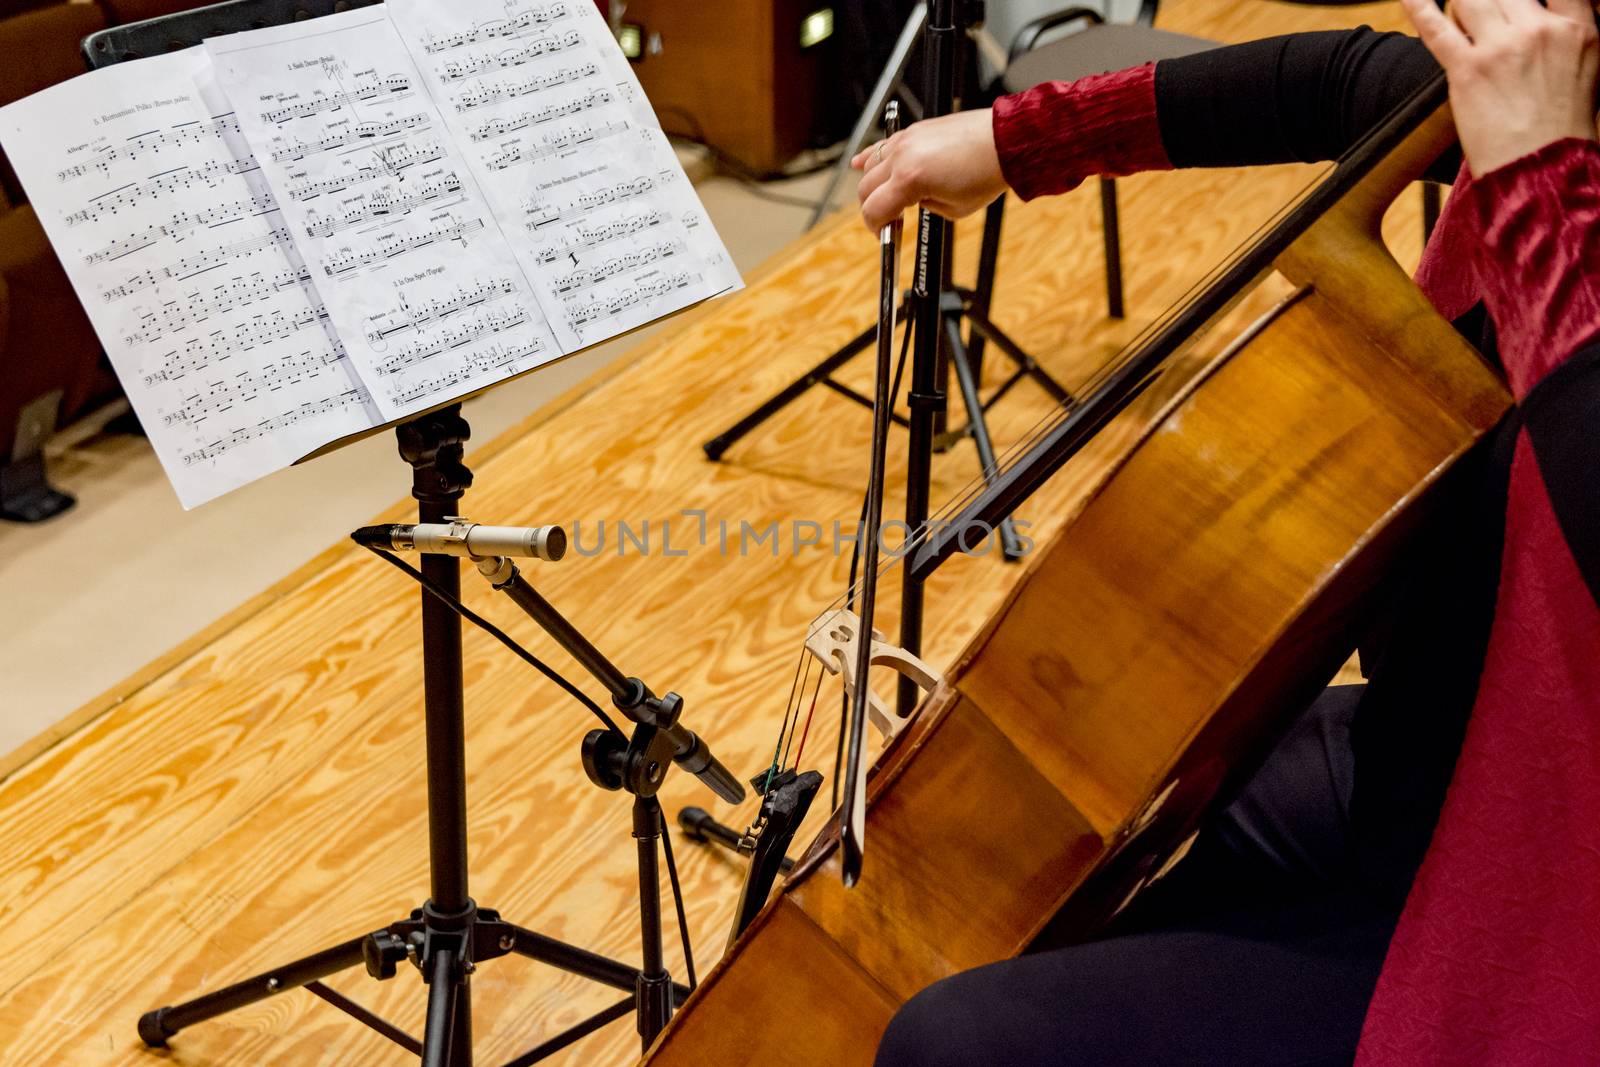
pixel 1055 135
pixel 1538 263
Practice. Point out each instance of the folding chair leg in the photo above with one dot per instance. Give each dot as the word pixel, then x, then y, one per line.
pixel 1113 236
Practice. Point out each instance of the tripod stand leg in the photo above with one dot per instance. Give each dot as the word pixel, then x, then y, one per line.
pixel 441 1044
pixel 158 1025
pixel 1113 236
pixel 982 327
pixel 725 440
pixel 983 289
pixel 1010 545
pixel 580 961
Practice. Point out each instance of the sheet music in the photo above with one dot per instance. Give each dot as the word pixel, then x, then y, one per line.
pixel 173 240
pixel 417 275
pixel 598 210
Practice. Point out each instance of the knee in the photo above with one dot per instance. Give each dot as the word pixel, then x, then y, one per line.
pixel 931 1030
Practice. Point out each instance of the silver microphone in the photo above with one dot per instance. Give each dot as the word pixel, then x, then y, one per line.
pixel 471 539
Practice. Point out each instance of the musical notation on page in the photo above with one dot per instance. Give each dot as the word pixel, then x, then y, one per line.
pixel 367 87
pixel 379 199
pixel 148 144
pixel 551 117
pixel 217 394
pixel 157 206
pixel 265 430
pixel 409 315
pixel 520 21
pixel 200 304
pixel 490 323
pixel 288 150
pixel 455 70
pixel 484 364
pixel 163 183
pixel 385 161
pixel 490 92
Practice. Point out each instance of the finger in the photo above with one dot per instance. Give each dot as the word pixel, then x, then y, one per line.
pixel 945 209
pixel 1522 11
pixel 884 206
pixel 1477 17
pixel 871 180
pixel 864 159
pixel 1439 34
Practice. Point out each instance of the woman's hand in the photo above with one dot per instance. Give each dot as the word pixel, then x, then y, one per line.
pixel 1521 75
pixel 947 164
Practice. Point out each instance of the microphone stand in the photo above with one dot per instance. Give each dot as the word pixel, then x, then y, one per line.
pixel 450 934
pixel 637 765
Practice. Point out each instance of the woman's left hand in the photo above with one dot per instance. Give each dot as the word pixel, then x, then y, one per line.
pixel 1521 75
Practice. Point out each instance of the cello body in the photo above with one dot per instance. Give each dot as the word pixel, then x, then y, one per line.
pixel 1208 586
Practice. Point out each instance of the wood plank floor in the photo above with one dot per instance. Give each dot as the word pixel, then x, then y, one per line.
pixel 259 793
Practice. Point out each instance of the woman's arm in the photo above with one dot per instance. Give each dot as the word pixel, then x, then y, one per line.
pixel 1300 98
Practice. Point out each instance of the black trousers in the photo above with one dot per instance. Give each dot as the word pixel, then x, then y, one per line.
pixel 1255 950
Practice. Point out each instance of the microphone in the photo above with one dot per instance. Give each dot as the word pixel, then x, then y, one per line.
pixel 694 756
pixel 462 538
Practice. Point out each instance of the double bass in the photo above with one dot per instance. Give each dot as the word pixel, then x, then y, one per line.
pixel 1206 587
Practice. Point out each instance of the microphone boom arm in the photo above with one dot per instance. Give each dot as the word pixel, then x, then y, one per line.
pixel 611 761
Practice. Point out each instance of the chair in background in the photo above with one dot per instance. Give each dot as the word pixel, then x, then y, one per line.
pixel 1098 47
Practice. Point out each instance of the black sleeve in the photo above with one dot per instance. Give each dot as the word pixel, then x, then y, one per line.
pixel 1562 412
pixel 1303 98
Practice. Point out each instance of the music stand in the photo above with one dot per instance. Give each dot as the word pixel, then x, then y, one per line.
pixel 953 304
pixel 449 935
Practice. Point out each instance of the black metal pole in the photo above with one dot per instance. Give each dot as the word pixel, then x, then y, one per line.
pixel 433 447
pixel 655 985
pixel 445 998
pixel 567 636
pixel 433 444
pixel 926 400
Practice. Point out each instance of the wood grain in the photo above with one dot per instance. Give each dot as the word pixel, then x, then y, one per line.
pixel 259 794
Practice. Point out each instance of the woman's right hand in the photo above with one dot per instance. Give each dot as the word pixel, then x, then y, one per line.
pixel 948 165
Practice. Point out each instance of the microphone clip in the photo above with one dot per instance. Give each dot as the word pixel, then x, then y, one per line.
pixel 638 764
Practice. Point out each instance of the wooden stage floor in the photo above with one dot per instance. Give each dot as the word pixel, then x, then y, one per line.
pixel 258 793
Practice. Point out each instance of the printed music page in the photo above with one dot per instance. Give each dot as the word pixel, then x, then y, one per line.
pixel 172 239
pixel 413 266
pixel 555 126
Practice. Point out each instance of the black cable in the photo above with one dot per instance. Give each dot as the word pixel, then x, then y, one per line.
pixel 677 899
pixel 500 635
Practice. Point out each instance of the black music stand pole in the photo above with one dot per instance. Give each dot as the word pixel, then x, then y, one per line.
pixel 433 445
pixel 930 274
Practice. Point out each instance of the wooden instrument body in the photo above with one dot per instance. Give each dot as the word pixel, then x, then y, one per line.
pixel 1206 588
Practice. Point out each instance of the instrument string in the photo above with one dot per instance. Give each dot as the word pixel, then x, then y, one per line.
pixel 805 677
pixel 815 692
pixel 783 728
